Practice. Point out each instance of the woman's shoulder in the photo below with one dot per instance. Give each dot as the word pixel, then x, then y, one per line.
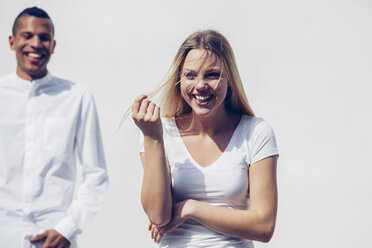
pixel 168 122
pixel 169 125
pixel 253 124
pixel 260 138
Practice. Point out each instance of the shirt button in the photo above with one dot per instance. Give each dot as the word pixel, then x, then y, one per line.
pixel 27 209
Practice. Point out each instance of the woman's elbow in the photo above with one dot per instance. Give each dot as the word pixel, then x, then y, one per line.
pixel 157 214
pixel 158 218
pixel 266 233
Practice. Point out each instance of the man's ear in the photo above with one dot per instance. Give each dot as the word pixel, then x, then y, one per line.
pixel 54 45
pixel 11 42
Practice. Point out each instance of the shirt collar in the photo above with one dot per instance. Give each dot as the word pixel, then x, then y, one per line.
pixel 37 83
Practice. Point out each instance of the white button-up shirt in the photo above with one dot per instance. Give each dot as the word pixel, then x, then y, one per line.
pixel 44 125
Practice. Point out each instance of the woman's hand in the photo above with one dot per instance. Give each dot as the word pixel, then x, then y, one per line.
pixel 146 115
pixel 181 211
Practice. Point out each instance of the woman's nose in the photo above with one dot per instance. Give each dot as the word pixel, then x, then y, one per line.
pixel 201 83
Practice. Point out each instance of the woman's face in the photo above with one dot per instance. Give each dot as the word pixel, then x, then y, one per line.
pixel 203 85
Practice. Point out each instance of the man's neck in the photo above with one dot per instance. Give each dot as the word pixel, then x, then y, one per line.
pixel 29 77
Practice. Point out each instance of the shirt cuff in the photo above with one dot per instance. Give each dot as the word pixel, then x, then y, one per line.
pixel 67 228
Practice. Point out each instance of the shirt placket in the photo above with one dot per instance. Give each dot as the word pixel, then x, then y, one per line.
pixel 29 154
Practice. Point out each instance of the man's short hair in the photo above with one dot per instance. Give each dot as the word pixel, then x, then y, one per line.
pixel 33 11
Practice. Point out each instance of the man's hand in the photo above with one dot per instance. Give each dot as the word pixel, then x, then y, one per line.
pixel 51 239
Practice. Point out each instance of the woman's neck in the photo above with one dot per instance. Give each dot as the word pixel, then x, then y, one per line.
pixel 207 125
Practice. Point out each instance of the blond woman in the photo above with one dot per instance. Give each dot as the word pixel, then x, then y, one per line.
pixel 209 163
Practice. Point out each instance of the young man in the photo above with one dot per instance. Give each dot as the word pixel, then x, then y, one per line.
pixel 45 122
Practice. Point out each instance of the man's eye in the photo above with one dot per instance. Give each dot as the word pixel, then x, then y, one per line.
pixel 45 38
pixel 27 35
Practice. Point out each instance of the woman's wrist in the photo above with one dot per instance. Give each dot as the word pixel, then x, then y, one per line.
pixel 189 209
pixel 153 138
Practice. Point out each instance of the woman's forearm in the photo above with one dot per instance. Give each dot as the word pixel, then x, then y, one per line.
pixel 156 185
pixel 247 224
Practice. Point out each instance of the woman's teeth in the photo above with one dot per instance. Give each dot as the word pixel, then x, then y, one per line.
pixel 203 98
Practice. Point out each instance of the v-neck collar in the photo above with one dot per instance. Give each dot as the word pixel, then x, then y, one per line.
pixel 188 154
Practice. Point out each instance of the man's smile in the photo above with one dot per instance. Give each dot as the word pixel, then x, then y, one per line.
pixel 34 55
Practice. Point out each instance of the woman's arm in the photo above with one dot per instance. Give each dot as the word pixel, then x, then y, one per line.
pixel 257 223
pixel 156 185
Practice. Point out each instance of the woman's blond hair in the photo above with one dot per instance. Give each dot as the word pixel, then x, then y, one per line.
pixel 172 103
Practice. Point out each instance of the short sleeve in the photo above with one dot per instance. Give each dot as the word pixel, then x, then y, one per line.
pixel 141 143
pixel 263 142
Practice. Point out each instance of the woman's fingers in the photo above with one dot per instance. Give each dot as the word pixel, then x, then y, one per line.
pixel 146 116
pixel 157 112
pixel 150 226
pixel 155 233
pixel 136 105
pixel 144 109
pixel 157 237
pixel 150 111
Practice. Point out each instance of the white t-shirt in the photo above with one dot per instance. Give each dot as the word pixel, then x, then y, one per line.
pixel 223 183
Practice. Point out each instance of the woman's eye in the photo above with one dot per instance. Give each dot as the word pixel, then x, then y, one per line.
pixel 190 75
pixel 213 75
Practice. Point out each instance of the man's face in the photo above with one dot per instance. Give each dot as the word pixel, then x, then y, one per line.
pixel 33 44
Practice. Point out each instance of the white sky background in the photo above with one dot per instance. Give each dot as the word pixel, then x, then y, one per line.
pixel 306 68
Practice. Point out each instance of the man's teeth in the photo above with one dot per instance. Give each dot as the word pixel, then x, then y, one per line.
pixel 203 98
pixel 34 55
